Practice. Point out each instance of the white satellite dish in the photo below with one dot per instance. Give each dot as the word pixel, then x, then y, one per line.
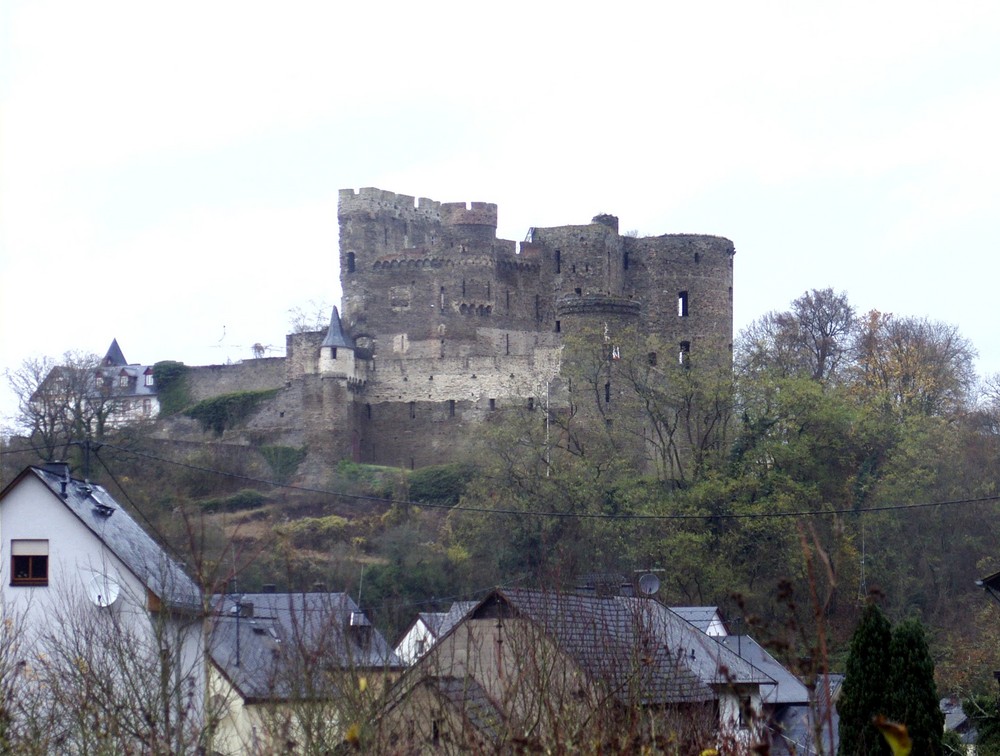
pixel 102 590
pixel 649 584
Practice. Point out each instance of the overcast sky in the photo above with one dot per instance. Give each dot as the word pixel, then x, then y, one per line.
pixel 169 172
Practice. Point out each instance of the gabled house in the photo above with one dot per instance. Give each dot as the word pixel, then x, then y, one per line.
pixel 427 628
pixel 292 670
pixel 132 387
pixel 538 668
pixel 97 605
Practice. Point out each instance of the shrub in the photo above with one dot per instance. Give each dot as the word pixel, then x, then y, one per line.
pixel 228 410
pixel 439 484
pixel 284 461
pixel 312 532
pixel 240 501
pixel 171 386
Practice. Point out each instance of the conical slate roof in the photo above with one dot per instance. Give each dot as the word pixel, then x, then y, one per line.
pixel 114 357
pixel 335 335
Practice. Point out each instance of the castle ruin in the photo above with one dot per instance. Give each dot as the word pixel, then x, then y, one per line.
pixel 443 323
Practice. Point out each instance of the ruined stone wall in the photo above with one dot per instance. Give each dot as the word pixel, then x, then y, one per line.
pixel 207 381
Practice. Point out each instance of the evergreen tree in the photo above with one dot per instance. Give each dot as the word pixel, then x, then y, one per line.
pixel 913 693
pixel 865 690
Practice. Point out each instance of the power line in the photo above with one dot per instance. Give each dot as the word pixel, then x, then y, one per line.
pixel 571 515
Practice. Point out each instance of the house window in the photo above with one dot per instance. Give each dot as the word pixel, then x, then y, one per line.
pixel 29 562
pixel 684 354
pixel 746 712
pixel 149 379
pixel 123 381
pixel 147 406
pixel 682 304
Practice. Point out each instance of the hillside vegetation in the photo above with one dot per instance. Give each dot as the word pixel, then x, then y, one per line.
pixel 845 455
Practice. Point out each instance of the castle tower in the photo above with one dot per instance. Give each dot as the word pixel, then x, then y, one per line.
pixel 336 354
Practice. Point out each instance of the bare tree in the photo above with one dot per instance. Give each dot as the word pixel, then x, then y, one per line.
pixel 813 338
pixel 59 403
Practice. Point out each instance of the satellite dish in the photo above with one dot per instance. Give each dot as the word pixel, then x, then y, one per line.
pixel 102 590
pixel 649 584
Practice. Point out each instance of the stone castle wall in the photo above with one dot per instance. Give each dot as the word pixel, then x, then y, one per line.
pixel 450 323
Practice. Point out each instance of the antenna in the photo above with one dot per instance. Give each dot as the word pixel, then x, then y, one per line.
pixel 102 590
pixel 649 584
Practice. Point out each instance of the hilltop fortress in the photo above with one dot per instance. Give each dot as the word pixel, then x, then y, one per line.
pixel 444 324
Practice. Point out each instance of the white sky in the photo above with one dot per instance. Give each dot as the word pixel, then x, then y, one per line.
pixel 169 172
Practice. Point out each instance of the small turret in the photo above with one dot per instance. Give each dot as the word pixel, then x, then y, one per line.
pixel 336 354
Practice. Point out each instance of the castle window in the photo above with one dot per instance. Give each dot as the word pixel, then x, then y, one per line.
pixel 579 291
pixel 508 300
pixel 413 410
pixel 506 338
pixel 682 304
pixel 651 358
pixel 558 261
pixel 697 257
pixel 531 403
pixel 607 392
pixel 558 326
pixel 451 408
pixel 684 354
pixel 493 404
pixel 463 287
pixel 333 353
pixel 368 411
pixel 625 260
pixel 350 262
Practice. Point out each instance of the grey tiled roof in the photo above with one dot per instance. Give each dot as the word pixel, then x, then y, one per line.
pixel 335 334
pixel 294 645
pixel 699 616
pixel 114 357
pixel 123 536
pixel 633 643
pixel 787 688
pixel 440 623
pixel 471 700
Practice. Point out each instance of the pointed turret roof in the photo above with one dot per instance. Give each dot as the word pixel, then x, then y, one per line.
pixel 335 335
pixel 114 356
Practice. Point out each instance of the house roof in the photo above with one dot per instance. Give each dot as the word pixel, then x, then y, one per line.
pixel 797 725
pixel 699 616
pixel 122 535
pixel 624 640
pixel 786 688
pixel 114 357
pixel 439 623
pixel 471 700
pixel 265 652
pixel 335 334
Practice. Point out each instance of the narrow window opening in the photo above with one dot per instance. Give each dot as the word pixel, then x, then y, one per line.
pixel 368 411
pixel 625 260
pixel 531 403
pixel 506 338
pixel 451 408
pixel 684 355
pixel 558 326
pixel 333 352
pixel 493 404
pixel 558 261
pixel 651 357
pixel 385 232
pixel 508 300
pixel 350 262
pixel 607 393
pixel 730 293
pixel 682 304
pixel 579 291
pixel 413 410
pixel 697 258
pixel 463 287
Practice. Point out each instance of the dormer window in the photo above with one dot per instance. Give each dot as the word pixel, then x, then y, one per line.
pixel 148 377
pixel 123 381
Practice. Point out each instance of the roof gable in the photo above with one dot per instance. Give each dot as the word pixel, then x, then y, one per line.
pixel 114 357
pixel 121 535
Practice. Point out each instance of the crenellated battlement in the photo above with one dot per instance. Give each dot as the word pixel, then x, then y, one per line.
pixel 469 214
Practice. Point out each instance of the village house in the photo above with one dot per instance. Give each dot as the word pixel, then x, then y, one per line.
pixel 540 667
pixel 292 671
pixel 82 584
